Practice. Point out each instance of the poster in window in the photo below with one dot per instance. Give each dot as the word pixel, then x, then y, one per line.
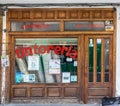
pixel 66 77
pixel 54 66
pixel 29 78
pixel 33 62
pixel 26 78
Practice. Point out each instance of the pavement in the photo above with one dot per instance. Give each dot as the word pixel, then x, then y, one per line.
pixel 94 104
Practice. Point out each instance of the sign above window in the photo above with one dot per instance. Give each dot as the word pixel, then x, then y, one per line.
pixel 35 26
pixel 68 26
pixel 84 26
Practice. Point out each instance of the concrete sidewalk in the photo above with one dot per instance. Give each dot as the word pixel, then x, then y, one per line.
pixel 94 104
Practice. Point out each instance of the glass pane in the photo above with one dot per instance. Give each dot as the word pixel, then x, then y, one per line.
pixel 99 45
pixel 91 53
pixel 107 52
pixel 35 26
pixel 48 60
pixel 84 26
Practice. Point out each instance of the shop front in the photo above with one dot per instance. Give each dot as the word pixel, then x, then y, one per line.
pixel 67 54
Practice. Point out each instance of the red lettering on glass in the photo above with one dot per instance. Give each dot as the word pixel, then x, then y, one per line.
pixel 20 52
pixel 38 26
pixel 42 49
pixel 28 51
pixel 89 25
pixel 63 50
pixel 36 49
pixel 69 50
pixel 49 48
pixel 59 50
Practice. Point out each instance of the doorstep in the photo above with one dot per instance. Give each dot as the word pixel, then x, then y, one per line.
pixel 11 104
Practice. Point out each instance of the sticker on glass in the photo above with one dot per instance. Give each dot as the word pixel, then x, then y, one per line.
pixel 66 77
pixel 69 59
pixel 73 78
pixel 99 41
pixel 75 63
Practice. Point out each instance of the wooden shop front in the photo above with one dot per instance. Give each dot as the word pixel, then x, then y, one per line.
pixel 63 53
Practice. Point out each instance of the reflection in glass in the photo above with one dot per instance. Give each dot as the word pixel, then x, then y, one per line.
pixel 99 44
pixel 46 60
pixel 91 47
pixel 106 57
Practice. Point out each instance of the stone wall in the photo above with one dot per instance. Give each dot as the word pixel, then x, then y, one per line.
pixel 0 49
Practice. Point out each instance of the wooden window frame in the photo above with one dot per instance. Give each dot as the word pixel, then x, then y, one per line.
pixel 62 15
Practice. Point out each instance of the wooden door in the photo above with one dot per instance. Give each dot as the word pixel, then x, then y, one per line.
pixel 98 66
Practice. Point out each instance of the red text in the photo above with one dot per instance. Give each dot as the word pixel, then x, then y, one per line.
pixel 59 50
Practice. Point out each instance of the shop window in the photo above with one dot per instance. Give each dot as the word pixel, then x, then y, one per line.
pixel 46 60
pixel 35 26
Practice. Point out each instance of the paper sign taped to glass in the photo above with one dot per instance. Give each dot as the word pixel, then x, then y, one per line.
pixel 33 62
pixel 54 66
pixel 29 78
pixel 5 61
pixel 66 77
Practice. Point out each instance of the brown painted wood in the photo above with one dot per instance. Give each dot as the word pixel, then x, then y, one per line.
pixel 86 74
pixel 83 90
pixel 102 60
pixel 114 55
pixel 98 91
pixel 57 13
pixel 94 61
pixel 102 88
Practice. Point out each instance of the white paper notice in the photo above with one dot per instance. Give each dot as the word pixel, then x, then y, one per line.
pixel 99 41
pixel 26 78
pixel 29 78
pixel 33 62
pixel 69 59
pixel 5 61
pixel 54 66
pixel 75 63
pixel 66 77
